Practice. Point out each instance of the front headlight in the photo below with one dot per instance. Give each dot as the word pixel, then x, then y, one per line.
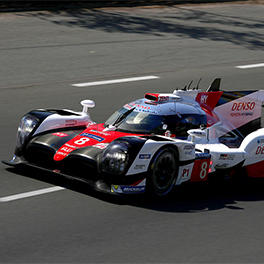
pixel 26 126
pixel 115 158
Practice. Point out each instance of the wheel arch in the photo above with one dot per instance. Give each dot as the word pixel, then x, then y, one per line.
pixel 161 180
pixel 168 145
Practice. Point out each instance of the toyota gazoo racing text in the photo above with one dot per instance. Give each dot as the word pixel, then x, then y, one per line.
pixel 151 144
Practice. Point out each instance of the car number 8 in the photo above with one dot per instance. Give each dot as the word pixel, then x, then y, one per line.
pixel 81 141
pixel 203 172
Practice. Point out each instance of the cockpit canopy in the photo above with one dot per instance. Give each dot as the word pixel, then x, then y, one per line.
pixel 147 117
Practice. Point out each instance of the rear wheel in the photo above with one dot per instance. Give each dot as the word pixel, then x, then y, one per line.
pixel 163 172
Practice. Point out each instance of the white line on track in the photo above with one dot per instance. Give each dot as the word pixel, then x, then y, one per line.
pixel 30 194
pixel 133 79
pixel 249 66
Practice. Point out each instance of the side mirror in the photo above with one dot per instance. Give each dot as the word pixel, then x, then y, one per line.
pixel 197 133
pixel 87 104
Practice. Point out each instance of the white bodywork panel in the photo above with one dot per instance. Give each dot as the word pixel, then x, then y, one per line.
pixel 56 121
pixel 182 176
pixel 250 151
pixel 253 145
pixel 144 157
pixel 222 156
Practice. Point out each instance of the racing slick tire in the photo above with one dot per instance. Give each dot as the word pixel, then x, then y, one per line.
pixel 163 172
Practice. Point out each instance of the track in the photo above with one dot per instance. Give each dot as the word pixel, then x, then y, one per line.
pixel 43 54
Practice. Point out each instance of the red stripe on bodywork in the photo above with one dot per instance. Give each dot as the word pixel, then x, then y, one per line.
pixel 81 141
pixel 256 170
pixel 200 170
pixel 208 100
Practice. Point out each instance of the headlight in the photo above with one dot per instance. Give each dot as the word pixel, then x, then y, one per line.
pixel 115 158
pixel 26 126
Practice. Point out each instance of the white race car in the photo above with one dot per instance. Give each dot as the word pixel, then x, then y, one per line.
pixel 151 144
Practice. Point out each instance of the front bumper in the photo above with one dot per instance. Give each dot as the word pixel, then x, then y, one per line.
pixel 96 184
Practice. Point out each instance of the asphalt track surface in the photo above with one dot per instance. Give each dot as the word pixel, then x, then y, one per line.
pixel 43 53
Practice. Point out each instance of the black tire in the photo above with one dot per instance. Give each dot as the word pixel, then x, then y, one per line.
pixel 163 172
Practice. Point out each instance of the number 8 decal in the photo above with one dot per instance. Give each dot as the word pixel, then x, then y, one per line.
pixel 203 172
pixel 81 141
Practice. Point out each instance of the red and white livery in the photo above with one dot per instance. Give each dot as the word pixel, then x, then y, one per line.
pixel 151 144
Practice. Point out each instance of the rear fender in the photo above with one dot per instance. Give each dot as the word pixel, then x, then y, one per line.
pixel 253 145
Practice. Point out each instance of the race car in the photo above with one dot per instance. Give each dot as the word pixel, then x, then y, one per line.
pixel 151 144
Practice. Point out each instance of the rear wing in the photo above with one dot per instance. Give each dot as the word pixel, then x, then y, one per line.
pixel 240 110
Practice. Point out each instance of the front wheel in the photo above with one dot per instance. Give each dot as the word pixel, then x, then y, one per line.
pixel 163 172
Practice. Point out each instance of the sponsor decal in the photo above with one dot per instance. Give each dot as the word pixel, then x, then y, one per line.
pixel 60 134
pixel 70 146
pixel 203 99
pixel 67 149
pixel 227 157
pixel 185 173
pixel 127 106
pixel 101 132
pixel 132 189
pixel 140 167
pixel 92 136
pixel 242 114
pixel 144 156
pixel 260 141
pixel 151 103
pixel 163 98
pixel 115 187
pixel 202 156
pixel 188 147
pixel 260 150
pixel 100 145
pixel 70 122
pixel 141 106
pixel 245 106
pixel 238 108
pixel 126 189
pixel 62 153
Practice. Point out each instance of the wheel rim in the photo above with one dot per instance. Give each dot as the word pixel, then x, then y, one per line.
pixel 164 172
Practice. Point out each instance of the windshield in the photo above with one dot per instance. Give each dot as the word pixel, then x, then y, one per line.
pixel 131 120
pixel 136 122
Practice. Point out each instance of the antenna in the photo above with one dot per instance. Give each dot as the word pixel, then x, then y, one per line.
pixel 190 83
pixel 198 83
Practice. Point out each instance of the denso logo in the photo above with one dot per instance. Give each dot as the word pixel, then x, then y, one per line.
pixel 243 106
pixel 260 150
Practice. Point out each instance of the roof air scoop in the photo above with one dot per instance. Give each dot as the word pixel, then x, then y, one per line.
pixel 152 96
pixel 162 98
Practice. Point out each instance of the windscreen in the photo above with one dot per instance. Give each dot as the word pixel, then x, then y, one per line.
pixel 147 123
pixel 135 122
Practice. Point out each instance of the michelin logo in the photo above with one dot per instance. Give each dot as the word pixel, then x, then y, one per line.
pixel 126 189
pixel 132 189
